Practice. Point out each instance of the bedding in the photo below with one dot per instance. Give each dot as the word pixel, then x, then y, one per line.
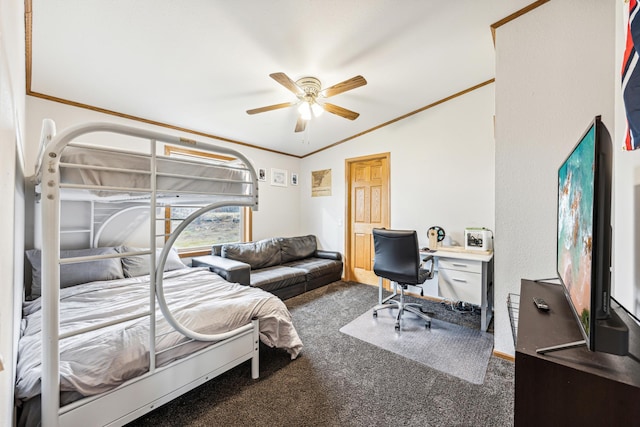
pixel 218 179
pixel 77 273
pixel 138 265
pixel 97 361
pixel 98 270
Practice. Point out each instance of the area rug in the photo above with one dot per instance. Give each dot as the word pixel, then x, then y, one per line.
pixel 456 350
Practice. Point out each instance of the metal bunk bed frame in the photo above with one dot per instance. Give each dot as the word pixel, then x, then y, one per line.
pixel 159 385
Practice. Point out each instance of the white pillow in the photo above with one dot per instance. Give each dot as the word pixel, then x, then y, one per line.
pixel 135 266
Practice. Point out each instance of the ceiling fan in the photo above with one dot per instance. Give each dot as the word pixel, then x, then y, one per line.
pixel 309 92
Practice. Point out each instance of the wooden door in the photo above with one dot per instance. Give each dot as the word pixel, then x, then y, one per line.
pixel 367 208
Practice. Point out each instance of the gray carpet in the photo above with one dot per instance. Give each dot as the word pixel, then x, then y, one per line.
pixel 339 380
pixel 449 348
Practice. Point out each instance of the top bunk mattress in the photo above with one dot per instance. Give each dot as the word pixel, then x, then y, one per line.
pixel 107 173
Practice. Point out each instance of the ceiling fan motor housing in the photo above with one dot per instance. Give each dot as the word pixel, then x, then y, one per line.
pixel 310 85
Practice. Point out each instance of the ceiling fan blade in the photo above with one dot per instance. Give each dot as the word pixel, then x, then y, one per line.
pixel 271 107
pixel 301 124
pixel 344 86
pixel 285 81
pixel 342 112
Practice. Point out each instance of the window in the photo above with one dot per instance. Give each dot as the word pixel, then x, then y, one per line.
pixel 222 225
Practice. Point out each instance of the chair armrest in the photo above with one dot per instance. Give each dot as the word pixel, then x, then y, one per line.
pixel 328 255
pixel 427 259
pixel 230 270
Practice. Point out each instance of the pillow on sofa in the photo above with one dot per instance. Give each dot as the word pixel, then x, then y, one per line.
pixel 260 254
pixel 294 248
pixel 134 266
pixel 76 273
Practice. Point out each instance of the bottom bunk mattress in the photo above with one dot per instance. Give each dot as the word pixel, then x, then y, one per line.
pixel 100 360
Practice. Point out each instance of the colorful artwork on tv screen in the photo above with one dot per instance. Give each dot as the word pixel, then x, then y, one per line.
pixel 575 220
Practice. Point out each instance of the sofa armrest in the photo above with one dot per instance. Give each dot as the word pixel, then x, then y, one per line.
pixel 230 270
pixel 328 255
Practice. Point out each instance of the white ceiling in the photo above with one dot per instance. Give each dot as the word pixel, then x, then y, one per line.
pixel 200 64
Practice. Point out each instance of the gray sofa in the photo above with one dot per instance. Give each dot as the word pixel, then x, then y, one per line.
pixel 284 266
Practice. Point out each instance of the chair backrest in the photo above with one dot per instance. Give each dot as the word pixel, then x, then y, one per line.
pixel 397 255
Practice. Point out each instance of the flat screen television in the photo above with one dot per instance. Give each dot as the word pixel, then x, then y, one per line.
pixel 584 239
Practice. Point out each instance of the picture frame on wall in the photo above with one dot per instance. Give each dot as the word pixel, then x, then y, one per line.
pixel 321 183
pixel 294 178
pixel 262 174
pixel 279 177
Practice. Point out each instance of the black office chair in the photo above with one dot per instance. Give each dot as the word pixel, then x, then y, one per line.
pixel 397 258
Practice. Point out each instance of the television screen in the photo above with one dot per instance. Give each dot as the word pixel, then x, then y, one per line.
pixel 576 198
pixel 584 241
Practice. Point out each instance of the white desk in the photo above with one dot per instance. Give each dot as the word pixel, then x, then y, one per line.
pixel 463 276
pixel 468 277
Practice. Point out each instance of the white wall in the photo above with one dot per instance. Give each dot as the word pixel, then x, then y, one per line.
pixel 442 172
pixel 555 70
pixel 626 255
pixel 11 193
pixel 278 213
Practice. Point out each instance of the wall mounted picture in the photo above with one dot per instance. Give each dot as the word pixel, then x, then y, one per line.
pixel 279 177
pixel 294 178
pixel 321 183
pixel 262 174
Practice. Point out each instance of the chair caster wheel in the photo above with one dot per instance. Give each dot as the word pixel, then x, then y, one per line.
pixel 397 326
pixel 375 314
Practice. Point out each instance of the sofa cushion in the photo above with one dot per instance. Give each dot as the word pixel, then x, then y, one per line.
pixel 260 254
pixel 277 277
pixel 316 267
pixel 229 269
pixel 294 248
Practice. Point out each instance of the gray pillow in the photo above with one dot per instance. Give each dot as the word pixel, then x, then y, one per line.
pixel 295 248
pixel 76 273
pixel 135 266
pixel 261 254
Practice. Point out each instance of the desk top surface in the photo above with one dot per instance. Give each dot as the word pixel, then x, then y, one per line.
pixel 467 255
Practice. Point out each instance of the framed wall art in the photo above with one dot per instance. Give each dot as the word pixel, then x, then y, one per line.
pixel 321 183
pixel 279 177
pixel 262 174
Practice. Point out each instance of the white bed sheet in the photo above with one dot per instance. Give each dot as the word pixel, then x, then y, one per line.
pixel 97 361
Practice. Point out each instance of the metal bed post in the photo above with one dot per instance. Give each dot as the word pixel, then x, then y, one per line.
pixel 92 227
pixel 152 259
pixel 51 291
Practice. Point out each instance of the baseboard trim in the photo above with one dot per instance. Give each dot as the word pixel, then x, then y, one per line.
pixel 504 356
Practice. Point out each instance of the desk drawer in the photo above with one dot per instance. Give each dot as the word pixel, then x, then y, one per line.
pixel 460 285
pixel 460 265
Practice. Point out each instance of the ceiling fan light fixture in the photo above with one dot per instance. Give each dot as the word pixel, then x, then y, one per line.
pixel 316 109
pixel 305 110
